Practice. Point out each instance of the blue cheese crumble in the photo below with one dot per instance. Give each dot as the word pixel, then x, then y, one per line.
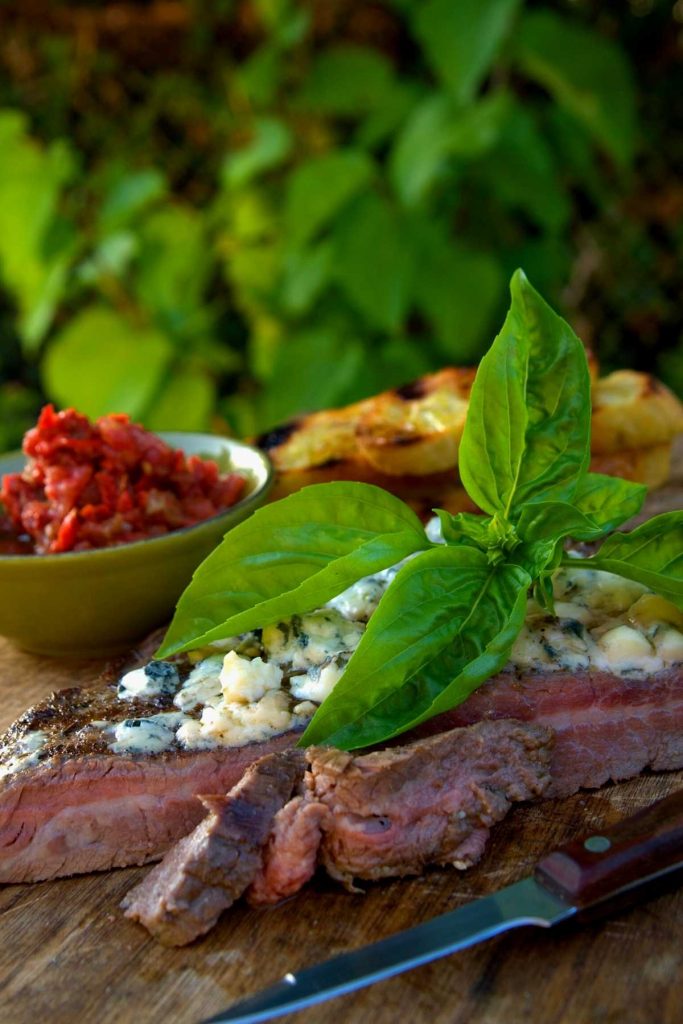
pixel 153 680
pixel 150 735
pixel 311 640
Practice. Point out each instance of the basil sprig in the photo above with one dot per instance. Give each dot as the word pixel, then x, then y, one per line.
pixel 450 617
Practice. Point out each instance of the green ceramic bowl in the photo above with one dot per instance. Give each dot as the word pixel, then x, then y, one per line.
pixel 92 603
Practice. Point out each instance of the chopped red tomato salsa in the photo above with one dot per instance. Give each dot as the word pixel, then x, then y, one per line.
pixel 93 485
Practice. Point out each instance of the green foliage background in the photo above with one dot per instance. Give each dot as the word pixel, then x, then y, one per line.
pixel 216 215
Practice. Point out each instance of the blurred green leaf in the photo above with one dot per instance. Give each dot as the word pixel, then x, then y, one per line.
pixel 318 189
pixel 522 174
pixel 111 257
pixel 575 154
pixel 260 75
pixel 461 39
pixel 292 28
pixel 476 130
pixel 254 272
pixel 101 362
pixel 392 363
pixel 251 248
pixel 173 264
pixel 34 257
pixel 384 121
pixel 438 130
pixel 421 150
pixel 671 368
pixel 346 80
pixel 313 369
pixel 458 290
pixel 306 272
pixel 185 402
pixel 372 263
pixel 129 194
pixel 586 72
pixel 270 144
pixel 239 409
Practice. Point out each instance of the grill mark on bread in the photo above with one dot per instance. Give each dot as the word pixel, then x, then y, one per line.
pixel 279 435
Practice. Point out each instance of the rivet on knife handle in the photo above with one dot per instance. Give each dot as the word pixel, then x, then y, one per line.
pixel 637 849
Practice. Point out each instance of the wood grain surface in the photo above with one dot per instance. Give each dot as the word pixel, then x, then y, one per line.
pixel 68 955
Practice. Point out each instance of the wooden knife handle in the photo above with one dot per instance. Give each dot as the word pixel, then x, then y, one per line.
pixel 636 850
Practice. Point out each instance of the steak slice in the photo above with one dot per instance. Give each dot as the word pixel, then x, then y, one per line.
pixel 393 812
pixel 290 856
pixel 104 811
pixel 607 727
pixel 183 897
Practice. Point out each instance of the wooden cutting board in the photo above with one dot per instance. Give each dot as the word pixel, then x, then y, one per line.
pixel 67 954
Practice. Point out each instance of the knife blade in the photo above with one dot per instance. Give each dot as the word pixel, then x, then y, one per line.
pixel 584 879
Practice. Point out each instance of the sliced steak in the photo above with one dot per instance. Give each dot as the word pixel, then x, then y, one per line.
pixel 607 728
pixel 392 812
pixel 183 897
pixel 81 807
pixel 98 812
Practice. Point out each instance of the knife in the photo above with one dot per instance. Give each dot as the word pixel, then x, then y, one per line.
pixel 585 879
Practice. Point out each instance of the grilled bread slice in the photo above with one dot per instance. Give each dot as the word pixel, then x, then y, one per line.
pixel 632 411
pixel 407 439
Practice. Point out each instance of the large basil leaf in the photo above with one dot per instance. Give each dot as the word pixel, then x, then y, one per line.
pixel 652 554
pixel 446 623
pixel 528 425
pixel 600 504
pixel 609 500
pixel 290 557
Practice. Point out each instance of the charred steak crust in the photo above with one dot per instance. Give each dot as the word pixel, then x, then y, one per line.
pixel 392 812
pixel 65 715
pixel 205 872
